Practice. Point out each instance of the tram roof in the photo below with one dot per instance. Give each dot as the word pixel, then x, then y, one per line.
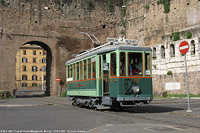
pixel 109 49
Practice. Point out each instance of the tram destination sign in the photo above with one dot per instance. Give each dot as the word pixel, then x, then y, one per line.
pixel 184 47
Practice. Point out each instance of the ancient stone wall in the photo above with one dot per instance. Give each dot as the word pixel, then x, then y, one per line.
pixel 148 23
pixel 47 22
pixel 169 70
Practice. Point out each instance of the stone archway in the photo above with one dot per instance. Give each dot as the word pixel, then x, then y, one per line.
pixel 32 57
pixel 48 63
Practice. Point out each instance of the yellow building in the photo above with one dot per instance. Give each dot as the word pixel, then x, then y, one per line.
pixel 30 60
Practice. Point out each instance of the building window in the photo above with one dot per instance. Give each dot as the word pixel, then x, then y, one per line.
pixel 24 77
pixel 34 77
pixel 154 53
pixel 24 52
pixel 34 52
pixel 192 47
pixel 24 84
pixel 24 68
pixel 44 52
pixel 162 52
pixel 172 50
pixel 24 60
pixel 44 60
pixel 44 77
pixel 34 68
pixel 34 60
pixel 43 68
pixel 34 84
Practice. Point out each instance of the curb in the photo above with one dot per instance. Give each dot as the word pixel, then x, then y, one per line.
pixel 26 105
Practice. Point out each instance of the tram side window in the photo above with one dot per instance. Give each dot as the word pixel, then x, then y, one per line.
pixel 85 69
pixel 68 69
pixel 100 69
pixel 89 68
pixel 122 64
pixel 74 72
pixel 135 63
pixel 81 71
pixel 93 68
pixel 113 64
pixel 147 64
pixel 71 71
pixel 77 71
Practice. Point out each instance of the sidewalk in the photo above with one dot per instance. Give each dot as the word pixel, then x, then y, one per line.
pixel 175 100
pixel 63 100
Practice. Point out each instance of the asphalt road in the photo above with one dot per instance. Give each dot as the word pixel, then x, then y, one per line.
pixel 41 115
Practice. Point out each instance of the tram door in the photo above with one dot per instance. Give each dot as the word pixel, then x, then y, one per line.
pixel 106 69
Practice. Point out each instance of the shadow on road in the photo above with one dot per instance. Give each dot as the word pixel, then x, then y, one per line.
pixel 149 109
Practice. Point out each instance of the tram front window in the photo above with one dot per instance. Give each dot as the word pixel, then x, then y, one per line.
pixel 147 64
pixel 122 64
pixel 134 63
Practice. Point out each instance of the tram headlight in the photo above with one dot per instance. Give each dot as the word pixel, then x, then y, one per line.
pixel 136 89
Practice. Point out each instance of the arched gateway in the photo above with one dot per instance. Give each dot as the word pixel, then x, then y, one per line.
pixel 8 50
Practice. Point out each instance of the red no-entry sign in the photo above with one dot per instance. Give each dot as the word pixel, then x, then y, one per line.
pixel 58 79
pixel 184 47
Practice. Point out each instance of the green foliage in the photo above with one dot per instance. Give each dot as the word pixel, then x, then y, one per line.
pixel 160 2
pixel 5 95
pixel 175 36
pixel 66 1
pixel 109 5
pixel 188 35
pixel 154 66
pixel 124 23
pixel 63 94
pixel 57 2
pixel 146 7
pixel 124 11
pixel 164 94
pixel 90 5
pixel 167 7
pixel 169 73
pixel 3 3
pixel 166 4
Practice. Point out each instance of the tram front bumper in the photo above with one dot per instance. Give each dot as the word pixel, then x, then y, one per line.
pixel 124 99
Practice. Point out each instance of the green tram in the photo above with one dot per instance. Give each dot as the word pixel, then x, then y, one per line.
pixel 110 76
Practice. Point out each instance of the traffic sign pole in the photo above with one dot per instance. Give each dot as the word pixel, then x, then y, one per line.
pixel 188 94
pixel 183 48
